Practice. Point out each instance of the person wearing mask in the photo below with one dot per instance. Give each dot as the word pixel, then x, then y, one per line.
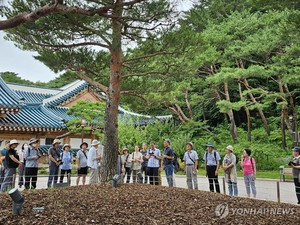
pixel 295 164
pixel 249 168
pixel 21 154
pixel 168 162
pixel 54 162
pixel 31 167
pixel 66 159
pixel 154 157
pixel 93 159
pixel 12 163
pixel 190 159
pixel 136 159
pixel 2 156
pixel 82 166
pixel 144 169
pixel 126 165
pixel 229 166
pixel 212 164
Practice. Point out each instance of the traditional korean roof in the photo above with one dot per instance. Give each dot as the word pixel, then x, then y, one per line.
pixel 60 112
pixel 32 118
pixel 10 102
pixel 32 97
pixel 67 93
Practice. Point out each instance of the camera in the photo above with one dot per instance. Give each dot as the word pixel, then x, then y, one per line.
pixel 60 162
pixel 291 163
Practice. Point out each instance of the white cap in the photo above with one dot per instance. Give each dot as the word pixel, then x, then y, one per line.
pixel 14 141
pixel 95 142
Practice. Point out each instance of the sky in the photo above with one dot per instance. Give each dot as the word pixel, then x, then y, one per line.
pixel 15 60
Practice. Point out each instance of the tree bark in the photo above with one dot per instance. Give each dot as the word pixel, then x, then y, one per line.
pixel 247 113
pixel 295 116
pixel 230 114
pixel 111 146
pixel 261 113
pixel 283 136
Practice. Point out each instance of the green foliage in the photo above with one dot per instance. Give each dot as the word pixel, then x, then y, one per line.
pixel 92 112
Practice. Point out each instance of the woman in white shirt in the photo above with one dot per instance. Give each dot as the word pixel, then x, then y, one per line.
pixel 136 158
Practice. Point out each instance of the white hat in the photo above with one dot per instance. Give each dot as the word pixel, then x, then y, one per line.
pixel 66 145
pixel 14 141
pixel 56 141
pixel 229 147
pixel 95 142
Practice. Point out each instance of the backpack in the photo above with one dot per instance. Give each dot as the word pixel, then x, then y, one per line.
pixel 176 163
pixel 215 155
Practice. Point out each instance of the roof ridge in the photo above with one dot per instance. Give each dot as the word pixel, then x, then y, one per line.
pixel 9 91
pixel 34 86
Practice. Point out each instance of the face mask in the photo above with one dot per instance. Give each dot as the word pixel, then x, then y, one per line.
pixel 26 147
pixel 34 145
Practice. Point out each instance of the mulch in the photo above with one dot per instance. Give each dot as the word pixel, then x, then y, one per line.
pixel 143 204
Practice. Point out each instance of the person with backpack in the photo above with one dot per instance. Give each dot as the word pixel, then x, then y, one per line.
pixel 12 163
pixel 82 167
pixel 136 159
pixel 66 159
pixel 295 164
pixel 212 164
pixel 31 166
pixel 229 166
pixel 249 170
pixel 168 158
pixel 54 162
pixel 126 165
pixel 190 159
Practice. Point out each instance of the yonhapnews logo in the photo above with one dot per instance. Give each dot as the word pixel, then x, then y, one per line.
pixel 223 210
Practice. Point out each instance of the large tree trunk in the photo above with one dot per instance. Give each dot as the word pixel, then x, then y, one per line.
pixel 233 130
pixel 110 154
pixel 261 113
pixel 247 112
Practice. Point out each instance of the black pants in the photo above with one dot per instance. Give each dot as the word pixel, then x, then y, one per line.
pixel 297 188
pixel 144 170
pixel 153 175
pixel 31 175
pixel 128 173
pixel 212 178
pixel 62 174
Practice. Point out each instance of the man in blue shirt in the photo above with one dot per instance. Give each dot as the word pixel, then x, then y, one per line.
pixel 153 155
pixel 212 164
pixel 31 167
pixel 2 156
pixel 168 162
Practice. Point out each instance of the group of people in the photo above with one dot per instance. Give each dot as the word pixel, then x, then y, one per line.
pixel 144 165
pixel 26 159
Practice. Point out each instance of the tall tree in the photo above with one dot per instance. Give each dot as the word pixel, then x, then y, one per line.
pixel 80 36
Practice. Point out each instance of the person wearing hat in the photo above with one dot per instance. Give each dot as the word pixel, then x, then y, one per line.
pixel 82 165
pixel 249 169
pixel 168 157
pixel 2 159
pixel 93 159
pixel 295 164
pixel 54 162
pixel 190 159
pixel 126 164
pixel 212 164
pixel 31 166
pixel 229 166
pixel 66 160
pixel 12 163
